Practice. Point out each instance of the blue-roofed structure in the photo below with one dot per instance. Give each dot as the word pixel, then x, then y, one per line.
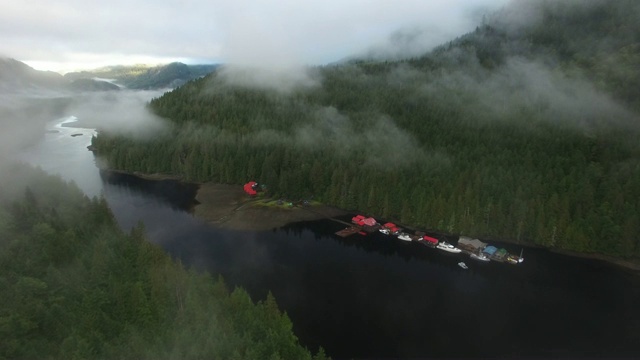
pixel 490 250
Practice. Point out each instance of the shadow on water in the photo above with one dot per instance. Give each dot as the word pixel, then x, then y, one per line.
pixel 176 194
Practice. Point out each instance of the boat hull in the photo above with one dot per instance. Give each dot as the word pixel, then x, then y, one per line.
pixel 404 237
pixel 448 248
pixel 480 258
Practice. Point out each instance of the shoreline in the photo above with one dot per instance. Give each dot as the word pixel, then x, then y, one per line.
pixel 622 263
pixel 227 206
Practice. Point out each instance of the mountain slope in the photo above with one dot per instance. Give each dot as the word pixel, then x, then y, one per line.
pixel 520 130
pixel 145 77
pixel 16 74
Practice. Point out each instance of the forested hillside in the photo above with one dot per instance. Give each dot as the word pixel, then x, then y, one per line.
pixel 73 286
pixel 520 130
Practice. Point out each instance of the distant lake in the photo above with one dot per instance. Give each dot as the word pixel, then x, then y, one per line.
pixel 376 296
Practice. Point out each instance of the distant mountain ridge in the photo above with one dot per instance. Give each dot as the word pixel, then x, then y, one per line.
pixel 147 77
pixel 18 76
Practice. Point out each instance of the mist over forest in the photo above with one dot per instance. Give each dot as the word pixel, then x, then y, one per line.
pixel 523 130
pixel 520 130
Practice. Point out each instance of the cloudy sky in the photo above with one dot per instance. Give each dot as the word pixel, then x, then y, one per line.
pixel 66 35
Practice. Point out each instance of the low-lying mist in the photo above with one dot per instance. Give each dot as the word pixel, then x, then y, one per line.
pixel 282 79
pixel 524 88
pixel 121 112
pixel 24 116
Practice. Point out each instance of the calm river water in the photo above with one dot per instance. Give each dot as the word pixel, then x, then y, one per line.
pixel 376 296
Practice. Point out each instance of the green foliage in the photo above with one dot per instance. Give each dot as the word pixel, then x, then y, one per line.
pixel 73 286
pixel 500 134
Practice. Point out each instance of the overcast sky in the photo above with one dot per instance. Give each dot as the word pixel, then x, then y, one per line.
pixel 66 35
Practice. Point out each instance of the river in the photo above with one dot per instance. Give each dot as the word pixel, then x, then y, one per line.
pixel 376 296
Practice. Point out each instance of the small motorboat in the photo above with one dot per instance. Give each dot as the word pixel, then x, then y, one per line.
pixel 463 265
pixel 443 245
pixel 480 256
pixel 405 237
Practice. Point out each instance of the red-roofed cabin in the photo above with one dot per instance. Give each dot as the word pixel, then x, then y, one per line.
pixel 369 221
pixel 357 219
pixel 250 188
pixel 393 228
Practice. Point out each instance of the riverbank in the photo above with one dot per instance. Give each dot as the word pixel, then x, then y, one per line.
pixel 626 264
pixel 228 206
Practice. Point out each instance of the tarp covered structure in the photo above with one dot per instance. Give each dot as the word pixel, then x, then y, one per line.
pixel 430 239
pixel 391 226
pixel 490 250
pixel 362 221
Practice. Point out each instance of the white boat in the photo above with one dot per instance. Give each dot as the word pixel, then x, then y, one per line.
pixel 513 259
pixel 463 265
pixel 404 237
pixel 443 245
pixel 480 256
pixel 385 231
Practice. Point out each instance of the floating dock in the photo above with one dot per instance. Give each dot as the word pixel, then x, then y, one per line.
pixel 348 231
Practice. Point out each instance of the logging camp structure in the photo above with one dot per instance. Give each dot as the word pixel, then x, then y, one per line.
pixel 251 188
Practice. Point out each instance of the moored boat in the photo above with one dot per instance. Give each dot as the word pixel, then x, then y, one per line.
pixel 517 259
pixel 443 245
pixel 463 265
pixel 428 241
pixel 390 229
pixel 514 259
pixel 405 237
pixel 479 256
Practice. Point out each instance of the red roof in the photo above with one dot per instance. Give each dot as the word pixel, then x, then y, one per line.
pixel 369 221
pixel 389 225
pixel 248 188
pixel 430 239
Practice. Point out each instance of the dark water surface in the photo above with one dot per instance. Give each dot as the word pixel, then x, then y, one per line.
pixel 376 296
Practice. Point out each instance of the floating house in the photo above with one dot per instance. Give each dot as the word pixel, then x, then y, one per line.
pixel 496 254
pixel 471 245
pixel 390 229
pixel 368 224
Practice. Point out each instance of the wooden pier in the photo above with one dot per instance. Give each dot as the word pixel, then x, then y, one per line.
pixel 348 231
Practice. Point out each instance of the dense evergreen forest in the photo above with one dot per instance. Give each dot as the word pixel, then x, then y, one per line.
pixel 521 130
pixel 73 286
